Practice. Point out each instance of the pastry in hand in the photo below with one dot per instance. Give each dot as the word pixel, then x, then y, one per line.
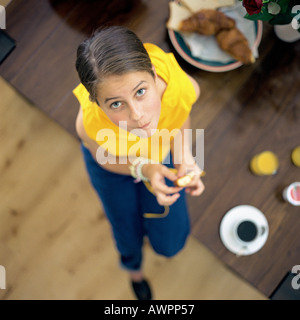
pixel 236 44
pixel 185 180
pixel 207 22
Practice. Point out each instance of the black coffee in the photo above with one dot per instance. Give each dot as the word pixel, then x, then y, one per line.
pixel 247 231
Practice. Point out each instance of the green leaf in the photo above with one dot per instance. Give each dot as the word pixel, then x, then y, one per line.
pixel 281 19
pixel 284 4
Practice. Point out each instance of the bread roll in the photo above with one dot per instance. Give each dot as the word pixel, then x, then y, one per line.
pixel 178 13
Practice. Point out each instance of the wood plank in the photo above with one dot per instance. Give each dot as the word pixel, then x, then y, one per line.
pixel 66 112
pixel 30 23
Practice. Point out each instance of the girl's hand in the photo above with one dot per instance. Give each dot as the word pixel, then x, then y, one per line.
pixel 195 187
pixel 156 173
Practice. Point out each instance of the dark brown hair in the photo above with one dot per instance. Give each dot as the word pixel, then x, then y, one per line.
pixel 110 51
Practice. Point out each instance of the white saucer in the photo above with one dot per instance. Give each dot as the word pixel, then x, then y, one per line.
pixel 241 213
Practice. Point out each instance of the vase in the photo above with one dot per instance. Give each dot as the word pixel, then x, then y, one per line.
pixel 287 33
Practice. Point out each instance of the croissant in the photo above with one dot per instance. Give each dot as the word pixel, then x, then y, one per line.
pixel 207 22
pixel 234 43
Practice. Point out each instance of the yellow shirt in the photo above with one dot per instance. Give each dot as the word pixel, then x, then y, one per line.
pixel 176 105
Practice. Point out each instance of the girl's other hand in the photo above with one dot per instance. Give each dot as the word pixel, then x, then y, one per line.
pixel 195 187
pixel 156 173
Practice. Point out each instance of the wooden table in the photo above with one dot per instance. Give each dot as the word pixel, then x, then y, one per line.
pixel 243 112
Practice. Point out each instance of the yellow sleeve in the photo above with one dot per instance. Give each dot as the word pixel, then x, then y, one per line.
pixel 82 95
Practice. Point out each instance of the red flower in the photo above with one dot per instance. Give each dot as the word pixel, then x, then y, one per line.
pixel 253 6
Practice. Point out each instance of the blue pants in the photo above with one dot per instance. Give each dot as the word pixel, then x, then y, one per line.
pixel 125 202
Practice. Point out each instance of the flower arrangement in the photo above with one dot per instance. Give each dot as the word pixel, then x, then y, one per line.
pixel 274 11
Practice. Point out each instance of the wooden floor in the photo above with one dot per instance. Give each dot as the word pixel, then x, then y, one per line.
pixel 55 242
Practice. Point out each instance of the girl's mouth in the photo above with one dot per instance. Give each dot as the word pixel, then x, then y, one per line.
pixel 145 126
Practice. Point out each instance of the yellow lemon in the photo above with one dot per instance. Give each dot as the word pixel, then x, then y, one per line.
pixel 296 156
pixel 265 163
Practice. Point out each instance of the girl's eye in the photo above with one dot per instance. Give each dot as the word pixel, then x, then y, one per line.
pixel 116 105
pixel 141 92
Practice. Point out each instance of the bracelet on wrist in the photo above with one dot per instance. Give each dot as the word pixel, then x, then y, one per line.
pixel 132 168
pixel 136 169
pixel 139 173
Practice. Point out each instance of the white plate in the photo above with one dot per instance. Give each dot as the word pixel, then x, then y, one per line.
pixel 231 218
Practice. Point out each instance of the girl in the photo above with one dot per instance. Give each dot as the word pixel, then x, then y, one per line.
pixel 129 92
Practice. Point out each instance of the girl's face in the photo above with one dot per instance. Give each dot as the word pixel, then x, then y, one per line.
pixel 134 98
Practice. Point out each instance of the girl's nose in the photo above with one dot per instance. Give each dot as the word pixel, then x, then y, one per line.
pixel 135 112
